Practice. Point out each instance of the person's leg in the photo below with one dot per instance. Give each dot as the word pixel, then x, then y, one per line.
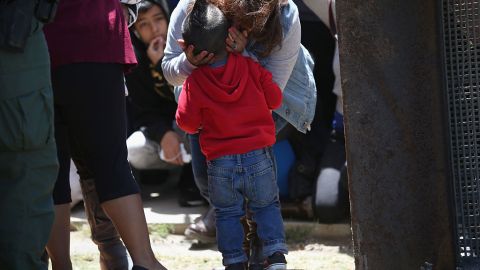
pixel 113 254
pixel 189 194
pixel 199 165
pixel 97 139
pixel 225 188
pixel 58 246
pixel 28 158
pixel 252 241
pixel 263 202
pixel 127 214
pixel 203 229
pixel 26 182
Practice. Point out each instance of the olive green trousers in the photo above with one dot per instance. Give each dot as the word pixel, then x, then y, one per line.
pixel 28 157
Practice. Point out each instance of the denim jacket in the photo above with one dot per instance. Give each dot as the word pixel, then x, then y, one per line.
pixel 300 93
pixel 299 96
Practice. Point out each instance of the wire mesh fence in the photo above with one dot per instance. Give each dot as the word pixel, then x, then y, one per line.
pixel 461 19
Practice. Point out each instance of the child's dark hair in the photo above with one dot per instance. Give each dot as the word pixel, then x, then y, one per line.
pixel 206 28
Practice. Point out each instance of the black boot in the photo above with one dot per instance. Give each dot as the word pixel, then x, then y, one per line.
pixel 113 253
pixel 236 266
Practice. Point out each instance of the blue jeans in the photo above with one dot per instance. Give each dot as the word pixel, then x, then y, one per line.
pixel 250 178
pixel 199 166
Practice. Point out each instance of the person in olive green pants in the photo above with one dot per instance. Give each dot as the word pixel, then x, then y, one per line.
pixel 28 157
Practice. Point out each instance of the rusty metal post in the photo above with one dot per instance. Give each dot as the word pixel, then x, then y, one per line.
pixel 396 133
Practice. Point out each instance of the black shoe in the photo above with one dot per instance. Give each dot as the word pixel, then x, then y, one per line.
pixel 276 261
pixel 203 229
pixel 255 267
pixel 136 267
pixel 236 266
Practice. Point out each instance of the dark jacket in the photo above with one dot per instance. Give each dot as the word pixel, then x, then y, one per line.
pixel 150 98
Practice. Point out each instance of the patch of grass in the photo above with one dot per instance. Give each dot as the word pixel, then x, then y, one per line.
pixel 160 230
pixel 80 228
pixel 85 261
pixel 156 230
pixel 298 234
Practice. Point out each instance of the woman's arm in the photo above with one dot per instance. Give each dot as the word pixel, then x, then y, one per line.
pixel 175 64
pixel 281 61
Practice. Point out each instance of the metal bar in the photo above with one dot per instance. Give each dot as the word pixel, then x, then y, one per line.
pixel 396 140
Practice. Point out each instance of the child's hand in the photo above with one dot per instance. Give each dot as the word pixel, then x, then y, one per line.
pixel 155 50
pixel 202 58
pixel 236 40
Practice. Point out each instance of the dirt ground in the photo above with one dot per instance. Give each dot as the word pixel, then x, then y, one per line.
pixel 176 252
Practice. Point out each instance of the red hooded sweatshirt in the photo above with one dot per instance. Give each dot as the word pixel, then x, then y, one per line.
pixel 230 106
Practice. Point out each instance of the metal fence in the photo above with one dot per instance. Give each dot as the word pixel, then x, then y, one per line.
pixel 462 65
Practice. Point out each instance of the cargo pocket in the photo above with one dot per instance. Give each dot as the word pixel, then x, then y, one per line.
pixel 27 121
pixel 10 125
pixel 37 112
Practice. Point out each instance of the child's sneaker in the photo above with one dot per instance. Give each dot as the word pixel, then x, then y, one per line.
pixel 236 266
pixel 276 261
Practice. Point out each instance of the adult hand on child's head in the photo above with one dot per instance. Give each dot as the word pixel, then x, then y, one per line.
pixel 236 40
pixel 202 58
pixel 170 144
pixel 155 49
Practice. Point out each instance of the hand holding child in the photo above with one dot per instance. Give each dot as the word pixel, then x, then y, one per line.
pixel 202 58
pixel 236 40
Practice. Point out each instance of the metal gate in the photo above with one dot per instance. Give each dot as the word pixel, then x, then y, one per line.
pixel 461 20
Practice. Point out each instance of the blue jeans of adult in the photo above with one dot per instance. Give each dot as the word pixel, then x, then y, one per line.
pixel 250 178
pixel 199 166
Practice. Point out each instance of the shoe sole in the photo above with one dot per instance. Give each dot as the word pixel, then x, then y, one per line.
pixel 193 235
pixel 277 266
